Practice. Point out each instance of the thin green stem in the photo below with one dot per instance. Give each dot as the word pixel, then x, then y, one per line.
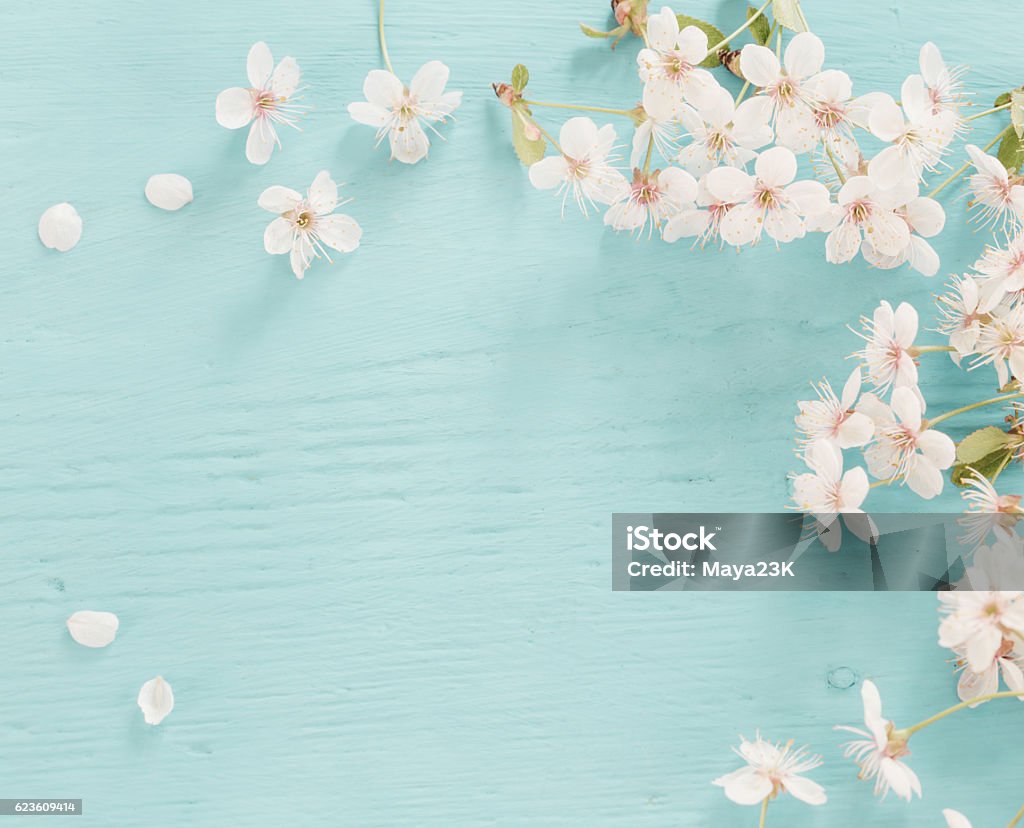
pixel 988 112
pixel 750 20
pixel 550 140
pixel 967 166
pixel 383 40
pixel 778 45
pixel 835 164
pixel 580 107
pixel 929 349
pixel 764 811
pixel 1005 694
pixel 885 482
pixel 650 152
pixel 963 409
pixel 1016 819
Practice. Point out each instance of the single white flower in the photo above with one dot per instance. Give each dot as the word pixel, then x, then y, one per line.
pixel 93 629
pixel 987 510
pixel 826 490
pixel 1001 343
pixel 917 136
pixel 924 218
pixel 787 94
pixel 156 699
pixel 703 225
pixel 722 133
pixel 268 100
pixel 997 201
pixel 832 419
pixel 1001 271
pixel 880 754
pixel 583 170
pixel 943 84
pixel 767 201
pixel 306 227
pixel 400 112
pixel 772 769
pixel 669 65
pixel 168 191
pixel 904 447
pixel 1006 663
pixel 60 227
pixel 960 317
pixel 864 211
pixel 651 199
pixel 836 113
pixel 890 336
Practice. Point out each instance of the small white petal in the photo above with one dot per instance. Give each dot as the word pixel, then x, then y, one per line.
pixel 156 700
pixel 339 232
pixel 60 227
pixel 235 107
pixel 93 629
pixel 168 191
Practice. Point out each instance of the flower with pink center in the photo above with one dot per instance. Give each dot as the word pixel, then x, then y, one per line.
pixel 1008 664
pixel 826 489
pixel 924 218
pixel 987 511
pixel 767 201
pixel 399 112
pixel 864 210
pixel 1001 272
pixel 976 623
pixel 669 65
pixel 583 170
pixel 702 223
pixel 997 201
pixel 651 199
pixel 268 101
pixel 307 226
pixel 960 317
pixel 905 448
pixel 944 85
pixel 786 93
pixel 1001 343
pixel 832 419
pixel 890 336
pixel 722 133
pixel 918 137
pixel 770 770
pixel 881 752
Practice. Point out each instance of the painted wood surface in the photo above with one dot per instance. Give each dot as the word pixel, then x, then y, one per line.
pixel 361 522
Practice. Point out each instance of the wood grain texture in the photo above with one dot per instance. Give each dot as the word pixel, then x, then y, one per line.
pixel 361 522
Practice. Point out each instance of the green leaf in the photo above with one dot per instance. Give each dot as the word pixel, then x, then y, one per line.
pixel 715 37
pixel 1017 112
pixel 616 32
pixel 981 443
pixel 520 77
pixel 1011 151
pixel 759 28
pixel 788 13
pixel 529 152
pixel 1002 100
pixel 988 466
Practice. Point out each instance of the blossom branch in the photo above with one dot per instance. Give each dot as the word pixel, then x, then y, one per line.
pixel 764 811
pixel 581 107
pixel 988 112
pixel 1016 819
pixel 750 21
pixel 963 409
pixel 383 40
pixel 1005 694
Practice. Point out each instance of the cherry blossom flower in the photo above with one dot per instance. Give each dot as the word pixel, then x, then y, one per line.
pixel 1001 270
pixel 890 336
pixel 651 199
pixel 772 769
pixel 722 133
pixel 924 218
pixel 1001 343
pixel 904 447
pixel 1007 663
pixel 943 84
pixel 156 700
pixel 960 318
pixel 826 490
pixel 268 100
pixel 997 200
pixel 864 210
pixel 583 169
pixel 93 629
pixel 60 227
pixel 703 225
pixel 789 101
pixel 832 419
pixel 306 227
pixel 918 137
pixel 669 65
pixel 881 752
pixel 767 200
pixel 400 112
pixel 987 510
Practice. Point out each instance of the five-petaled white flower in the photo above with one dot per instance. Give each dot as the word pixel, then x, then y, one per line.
pixel 1001 270
pixel 768 201
pixel 583 170
pixel 651 198
pixel 722 133
pixel 918 137
pixel 399 112
pixel 832 419
pixel 772 769
pixel 890 336
pixel 826 490
pixel 960 316
pixel 703 225
pixel 942 83
pixel 669 66
pixel 1001 342
pixel 1006 663
pixel 997 200
pixel 904 447
pixel 880 754
pixel 267 101
pixel 924 218
pixel 305 227
pixel 864 211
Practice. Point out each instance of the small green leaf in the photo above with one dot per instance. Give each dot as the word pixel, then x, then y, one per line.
pixel 1011 151
pixel 981 443
pixel 788 13
pixel 715 37
pixel 616 32
pixel 1002 100
pixel 529 152
pixel 520 77
pixel 1017 112
pixel 759 28
pixel 988 466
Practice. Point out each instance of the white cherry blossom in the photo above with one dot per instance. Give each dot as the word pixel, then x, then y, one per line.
pixel 1007 664
pixel 889 335
pixel 652 198
pixel 702 223
pixel 918 137
pixel 1001 343
pixel 832 419
pixel 400 112
pixel 267 101
pixel 997 201
pixel 826 490
pixel 924 218
pixel 944 85
pixel 772 769
pixel 960 317
pixel 583 170
pixel 1001 272
pixel 669 65
pixel 864 211
pixel 722 133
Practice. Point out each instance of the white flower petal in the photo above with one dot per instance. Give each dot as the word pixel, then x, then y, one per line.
pixel 429 81
pixel 277 199
pixel 806 790
pixel 410 144
pixel 259 65
pixel 93 629
pixel 954 819
pixel 156 699
pixel 549 172
pixel 279 236
pixel 323 193
pixel 369 114
pixel 285 79
pixel 382 88
pixel 759 65
pixel 235 107
pixel 804 55
pixel 339 232
pixel 776 167
pixel 60 227
pixel 168 191
pixel 261 141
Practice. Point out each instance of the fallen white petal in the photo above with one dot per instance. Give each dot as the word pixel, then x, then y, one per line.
pixel 169 191
pixel 93 629
pixel 60 227
pixel 156 700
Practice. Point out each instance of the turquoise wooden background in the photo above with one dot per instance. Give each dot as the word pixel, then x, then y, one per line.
pixel 361 522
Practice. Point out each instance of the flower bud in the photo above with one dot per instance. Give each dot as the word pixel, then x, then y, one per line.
pixel 532 131
pixel 622 10
pixel 731 61
pixel 506 94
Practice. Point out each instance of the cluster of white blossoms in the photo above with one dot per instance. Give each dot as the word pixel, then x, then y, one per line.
pixel 711 167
